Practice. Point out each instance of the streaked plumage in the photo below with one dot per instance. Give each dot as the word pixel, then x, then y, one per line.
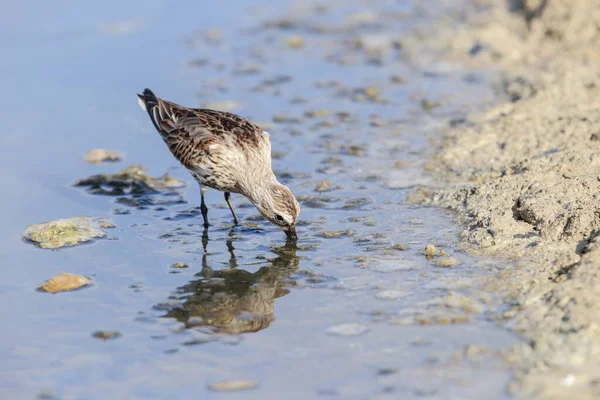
pixel 225 152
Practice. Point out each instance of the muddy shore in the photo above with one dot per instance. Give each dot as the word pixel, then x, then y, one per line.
pixel 524 179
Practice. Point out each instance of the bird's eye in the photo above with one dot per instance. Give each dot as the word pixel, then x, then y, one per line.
pixel 279 218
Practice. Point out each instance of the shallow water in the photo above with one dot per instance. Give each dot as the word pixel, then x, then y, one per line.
pixel 344 314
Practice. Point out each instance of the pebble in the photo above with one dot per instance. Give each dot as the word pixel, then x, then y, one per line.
pixel 294 42
pixel 96 156
pixel 430 251
pixel 286 119
pixel 337 234
pixel 323 186
pixel 64 282
pixel 106 335
pixel 353 204
pixel 234 385
pixel 371 92
pixel 446 262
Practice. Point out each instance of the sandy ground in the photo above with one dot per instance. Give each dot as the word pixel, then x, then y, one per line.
pixel 524 178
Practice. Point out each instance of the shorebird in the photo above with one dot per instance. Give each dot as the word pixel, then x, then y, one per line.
pixel 225 152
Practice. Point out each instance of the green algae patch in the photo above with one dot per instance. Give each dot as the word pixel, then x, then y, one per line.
pixel 66 232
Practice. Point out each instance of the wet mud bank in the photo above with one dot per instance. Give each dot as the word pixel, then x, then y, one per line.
pixel 524 179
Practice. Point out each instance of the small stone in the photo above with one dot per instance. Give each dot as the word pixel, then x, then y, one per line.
pixel 105 223
pixel 399 247
pixel 347 329
pixel 230 386
pixel 213 35
pixel 372 92
pixel 106 335
pixel 447 262
pixel 421 342
pixel 430 251
pixel 323 112
pixel 180 265
pixel 354 204
pixel 336 234
pixel 428 105
pixel 323 186
pixel 397 79
pixel 286 119
pixel 378 122
pixel 96 156
pixel 386 371
pixel 46 395
pixel 355 150
pixel 168 181
pixel 294 42
pixel 64 282
pixel 473 350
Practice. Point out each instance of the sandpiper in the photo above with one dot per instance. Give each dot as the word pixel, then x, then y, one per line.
pixel 225 152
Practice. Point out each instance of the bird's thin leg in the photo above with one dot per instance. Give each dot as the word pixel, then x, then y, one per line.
pixel 203 207
pixel 204 241
pixel 235 218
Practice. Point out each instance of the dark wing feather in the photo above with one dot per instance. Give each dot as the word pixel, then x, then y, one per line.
pixel 189 132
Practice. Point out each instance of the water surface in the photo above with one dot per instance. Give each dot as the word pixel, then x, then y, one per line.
pixel 355 310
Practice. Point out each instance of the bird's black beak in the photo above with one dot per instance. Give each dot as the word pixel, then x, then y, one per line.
pixel 290 232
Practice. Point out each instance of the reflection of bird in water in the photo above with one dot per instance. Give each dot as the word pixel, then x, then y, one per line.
pixel 233 300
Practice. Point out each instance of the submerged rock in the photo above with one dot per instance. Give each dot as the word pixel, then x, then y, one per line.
pixel 326 186
pixel 337 234
pixel 136 187
pixel 133 177
pixel 430 251
pixel 96 156
pixel 64 282
pixel 294 42
pixel 447 262
pixel 347 329
pixel 66 232
pixel 229 386
pixel 106 335
pixel 356 203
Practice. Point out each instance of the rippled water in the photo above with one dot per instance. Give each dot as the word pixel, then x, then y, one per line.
pixel 354 310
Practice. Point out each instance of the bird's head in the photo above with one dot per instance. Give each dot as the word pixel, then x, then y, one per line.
pixel 277 203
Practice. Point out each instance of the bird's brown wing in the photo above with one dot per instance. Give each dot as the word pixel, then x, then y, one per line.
pixel 192 134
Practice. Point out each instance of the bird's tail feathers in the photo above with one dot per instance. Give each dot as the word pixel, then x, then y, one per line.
pixel 148 101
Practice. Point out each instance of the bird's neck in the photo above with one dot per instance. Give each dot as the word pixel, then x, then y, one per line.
pixel 258 189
